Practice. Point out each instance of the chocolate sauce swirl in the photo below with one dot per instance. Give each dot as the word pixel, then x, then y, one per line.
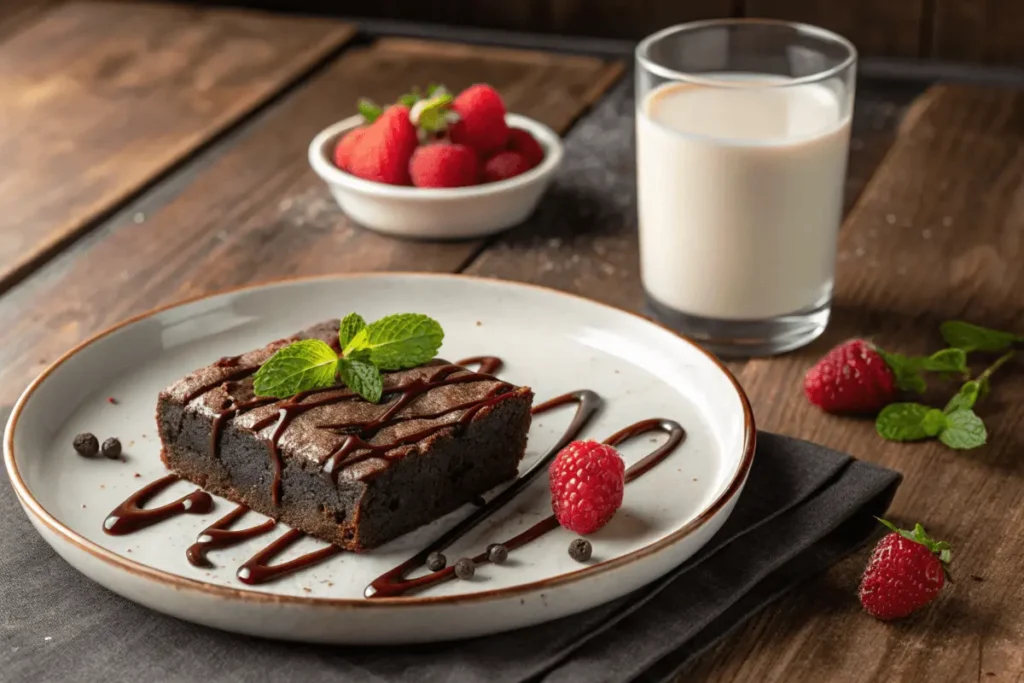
pixel 394 583
pixel 588 404
pixel 256 569
pixel 129 516
pixel 219 536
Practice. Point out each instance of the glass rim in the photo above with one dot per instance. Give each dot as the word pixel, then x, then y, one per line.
pixel 643 48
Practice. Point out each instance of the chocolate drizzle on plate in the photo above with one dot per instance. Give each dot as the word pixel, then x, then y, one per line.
pixel 394 583
pixel 130 516
pixel 219 536
pixel 587 404
pixel 256 569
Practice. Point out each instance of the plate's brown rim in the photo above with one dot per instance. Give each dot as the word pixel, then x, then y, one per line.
pixel 179 582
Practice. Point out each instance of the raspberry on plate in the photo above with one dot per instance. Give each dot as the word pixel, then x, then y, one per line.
pixel 505 165
pixel 481 123
pixel 383 152
pixel 444 165
pixel 586 479
pixel 522 142
pixel 851 378
pixel 906 571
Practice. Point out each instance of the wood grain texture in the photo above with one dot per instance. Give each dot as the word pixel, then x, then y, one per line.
pixel 938 234
pixel 879 28
pixel 15 15
pixel 254 211
pixel 987 31
pixel 98 99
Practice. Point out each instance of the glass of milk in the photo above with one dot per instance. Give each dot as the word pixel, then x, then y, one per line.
pixel 742 132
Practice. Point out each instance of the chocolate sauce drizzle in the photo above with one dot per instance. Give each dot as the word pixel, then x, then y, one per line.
pixel 393 583
pixel 256 569
pixel 129 516
pixel 357 445
pixel 219 536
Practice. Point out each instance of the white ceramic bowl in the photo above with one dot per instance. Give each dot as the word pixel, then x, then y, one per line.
pixel 437 213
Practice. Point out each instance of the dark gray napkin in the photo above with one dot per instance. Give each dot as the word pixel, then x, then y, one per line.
pixel 804 507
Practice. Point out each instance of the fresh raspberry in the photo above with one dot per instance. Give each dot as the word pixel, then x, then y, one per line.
pixel 444 165
pixel 586 480
pixel 343 152
pixel 505 165
pixel 481 123
pixel 851 378
pixel 906 571
pixel 382 153
pixel 522 142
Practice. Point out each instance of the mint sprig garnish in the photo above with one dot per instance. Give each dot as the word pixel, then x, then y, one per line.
pixel 301 366
pixel 351 325
pixel 909 370
pixel 956 426
pixel 968 337
pixel 394 342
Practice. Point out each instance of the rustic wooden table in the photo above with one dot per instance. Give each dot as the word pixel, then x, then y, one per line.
pixel 155 153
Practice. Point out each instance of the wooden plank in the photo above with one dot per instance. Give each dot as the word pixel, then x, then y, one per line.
pixel 879 28
pixel 98 99
pixel 17 14
pixel 937 235
pixel 583 239
pixel 987 31
pixel 254 211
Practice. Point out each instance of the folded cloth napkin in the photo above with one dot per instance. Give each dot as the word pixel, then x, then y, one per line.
pixel 803 508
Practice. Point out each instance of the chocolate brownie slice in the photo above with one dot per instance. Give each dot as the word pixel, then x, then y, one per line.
pixel 340 468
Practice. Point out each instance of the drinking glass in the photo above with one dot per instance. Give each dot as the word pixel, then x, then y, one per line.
pixel 742 133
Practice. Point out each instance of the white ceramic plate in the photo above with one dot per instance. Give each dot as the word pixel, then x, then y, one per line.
pixel 550 341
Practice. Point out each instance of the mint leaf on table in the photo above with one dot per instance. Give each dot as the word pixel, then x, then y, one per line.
pixel 970 337
pixel 909 422
pixel 964 430
pixel 400 341
pixel 350 327
pixel 303 366
pixel 946 360
pixel 362 378
pixel 965 398
pixel 906 370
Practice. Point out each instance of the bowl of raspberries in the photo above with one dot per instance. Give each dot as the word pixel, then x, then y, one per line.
pixel 437 165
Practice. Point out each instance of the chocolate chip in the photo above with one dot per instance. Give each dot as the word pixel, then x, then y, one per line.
pixel 86 445
pixel 580 550
pixel 436 562
pixel 464 569
pixel 112 448
pixel 497 553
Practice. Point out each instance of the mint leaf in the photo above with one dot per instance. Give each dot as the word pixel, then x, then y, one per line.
pixel 303 366
pixel 400 341
pixel 909 422
pixel 965 398
pixel 906 370
pixel 946 360
pixel 362 378
pixel 370 111
pixel 976 338
pixel 350 327
pixel 964 430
